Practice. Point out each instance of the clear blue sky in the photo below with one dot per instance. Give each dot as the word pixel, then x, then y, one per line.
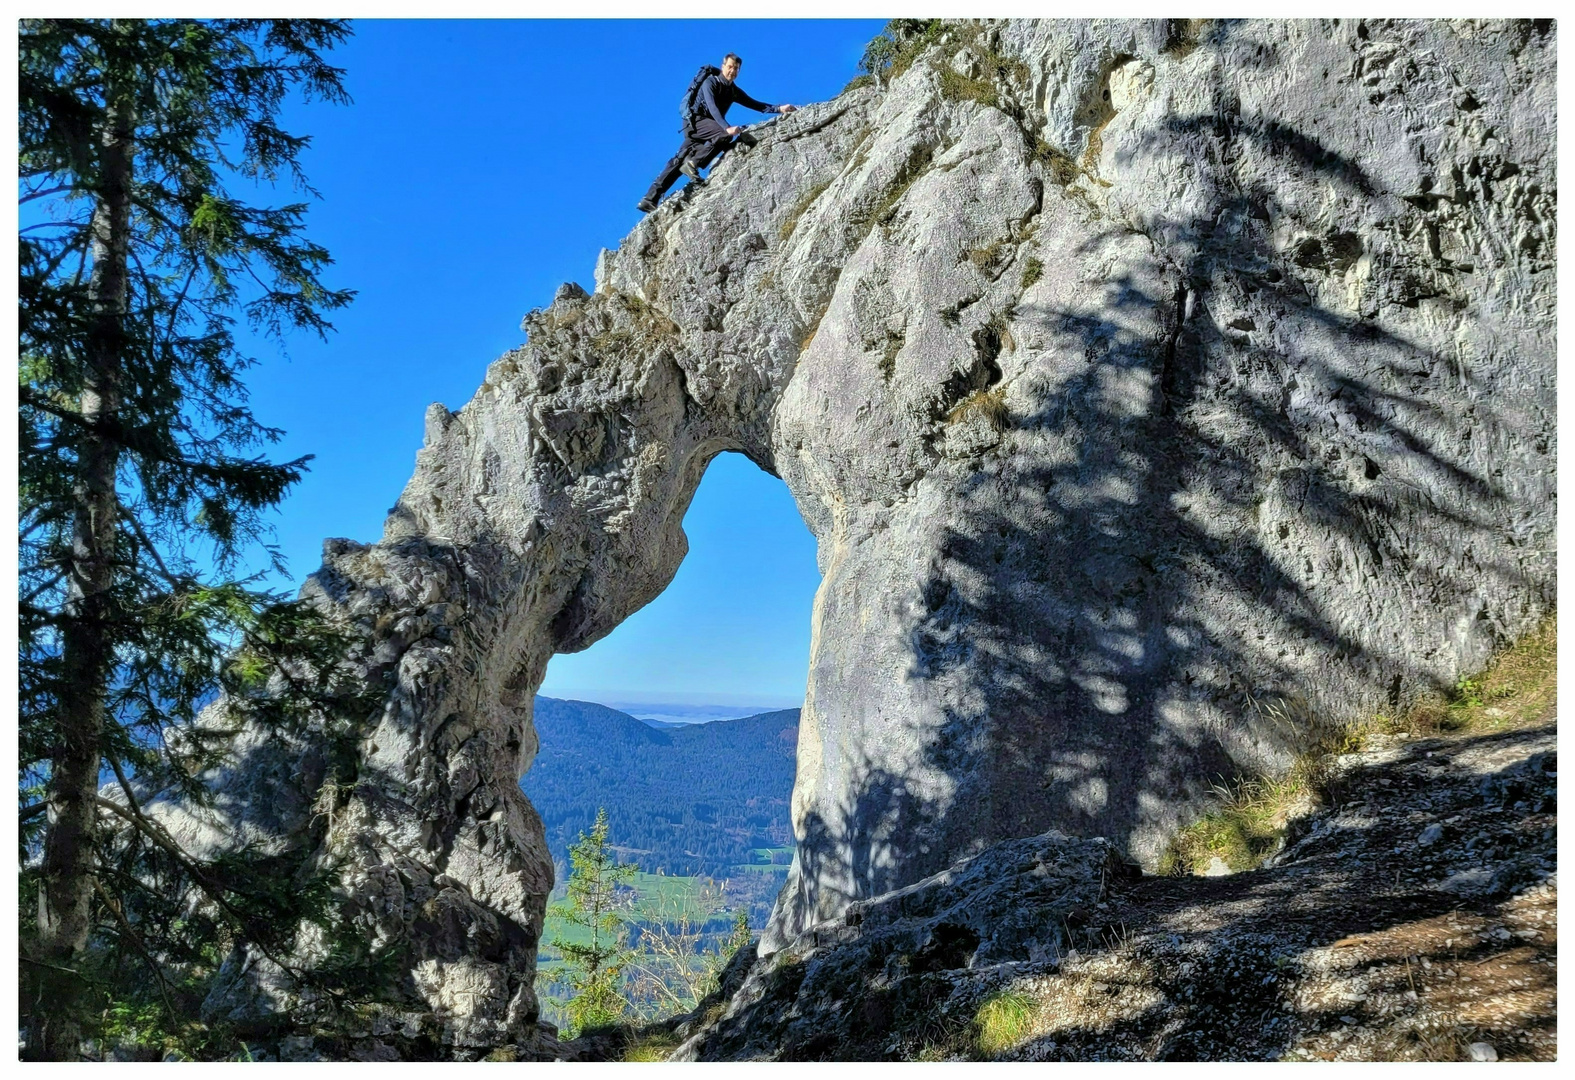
pixel 482 164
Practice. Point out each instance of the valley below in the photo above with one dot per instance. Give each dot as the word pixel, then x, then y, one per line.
pixel 700 809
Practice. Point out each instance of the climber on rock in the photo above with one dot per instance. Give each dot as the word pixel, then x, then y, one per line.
pixel 705 128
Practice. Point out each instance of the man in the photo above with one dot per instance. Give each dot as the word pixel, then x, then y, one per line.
pixel 708 134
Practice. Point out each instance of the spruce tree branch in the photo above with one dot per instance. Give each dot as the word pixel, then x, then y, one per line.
pixel 180 302
pixel 136 527
pixel 54 225
pixel 52 967
pixel 70 416
pixel 31 195
pixel 147 957
pixel 215 892
pixel 30 812
pixel 134 440
pixel 58 577
pixel 82 262
pixel 77 242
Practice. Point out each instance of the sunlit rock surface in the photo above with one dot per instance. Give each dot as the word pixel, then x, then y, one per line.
pixel 1155 392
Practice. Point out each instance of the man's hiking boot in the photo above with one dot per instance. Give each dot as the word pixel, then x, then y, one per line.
pixel 745 139
pixel 645 206
pixel 689 170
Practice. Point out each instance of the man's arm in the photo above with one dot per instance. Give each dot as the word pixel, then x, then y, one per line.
pixel 708 98
pixel 750 103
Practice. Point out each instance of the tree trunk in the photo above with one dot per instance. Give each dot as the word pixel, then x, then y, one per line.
pixel 87 634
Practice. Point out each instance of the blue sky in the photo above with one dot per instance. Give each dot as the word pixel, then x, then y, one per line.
pixel 482 164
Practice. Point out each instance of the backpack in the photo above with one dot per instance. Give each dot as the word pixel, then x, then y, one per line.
pixel 688 106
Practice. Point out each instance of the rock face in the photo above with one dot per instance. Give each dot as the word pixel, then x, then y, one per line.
pixel 1151 390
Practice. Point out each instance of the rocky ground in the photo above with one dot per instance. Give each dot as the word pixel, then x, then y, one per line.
pixel 1413 917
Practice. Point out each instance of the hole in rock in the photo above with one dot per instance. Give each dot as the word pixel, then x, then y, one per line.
pixel 733 625
pixel 950 947
pixel 682 722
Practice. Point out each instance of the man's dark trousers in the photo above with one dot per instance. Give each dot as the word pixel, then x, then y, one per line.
pixel 706 141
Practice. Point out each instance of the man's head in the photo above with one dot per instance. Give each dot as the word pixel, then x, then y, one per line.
pixel 730 65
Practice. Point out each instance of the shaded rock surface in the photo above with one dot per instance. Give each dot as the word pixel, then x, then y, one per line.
pixel 1131 376
pixel 887 962
pixel 1356 944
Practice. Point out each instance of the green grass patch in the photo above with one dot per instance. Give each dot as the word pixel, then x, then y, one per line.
pixel 782 855
pixel 556 929
pixel 669 895
pixel 1517 688
pixel 1033 270
pixel 1003 1020
pixel 1243 832
pixel 651 1048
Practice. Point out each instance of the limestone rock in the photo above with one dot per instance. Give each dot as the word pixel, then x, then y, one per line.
pixel 1155 392
pixel 1012 904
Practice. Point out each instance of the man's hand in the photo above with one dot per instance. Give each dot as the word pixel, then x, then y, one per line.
pixel 734 130
pixel 785 109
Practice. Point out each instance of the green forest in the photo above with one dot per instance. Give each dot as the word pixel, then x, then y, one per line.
pixel 707 800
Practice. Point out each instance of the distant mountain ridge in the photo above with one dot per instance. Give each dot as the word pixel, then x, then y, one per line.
pixel 685 799
pixel 659 725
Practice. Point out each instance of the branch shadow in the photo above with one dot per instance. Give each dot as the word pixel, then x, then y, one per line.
pixel 1203 514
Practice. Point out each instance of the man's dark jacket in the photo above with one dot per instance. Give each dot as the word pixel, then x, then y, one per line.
pixel 714 97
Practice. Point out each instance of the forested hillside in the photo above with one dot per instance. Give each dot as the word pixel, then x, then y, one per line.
pixel 705 799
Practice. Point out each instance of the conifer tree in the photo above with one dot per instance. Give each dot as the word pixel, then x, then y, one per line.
pixel 740 937
pixel 141 482
pixel 595 902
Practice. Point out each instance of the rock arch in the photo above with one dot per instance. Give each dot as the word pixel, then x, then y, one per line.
pixel 1123 393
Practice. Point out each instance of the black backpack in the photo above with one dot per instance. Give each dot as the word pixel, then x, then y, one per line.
pixel 688 107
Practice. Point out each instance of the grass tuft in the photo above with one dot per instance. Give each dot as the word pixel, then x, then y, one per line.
pixel 888 356
pixel 1096 146
pixel 918 161
pixel 1517 688
pixel 651 1048
pixel 1033 270
pixel 799 209
pixel 1185 34
pixel 1063 170
pixel 986 257
pixel 989 405
pixel 1243 832
pixel 959 87
pixel 895 49
pixel 1003 1020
